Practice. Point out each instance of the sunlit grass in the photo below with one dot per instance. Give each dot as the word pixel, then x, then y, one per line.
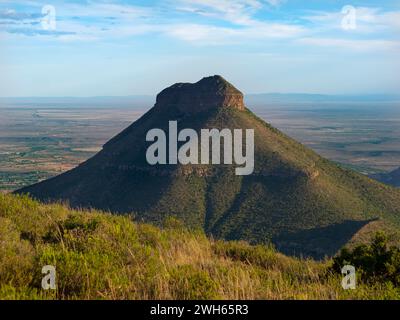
pixel 102 256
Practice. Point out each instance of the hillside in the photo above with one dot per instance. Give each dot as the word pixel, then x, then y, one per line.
pixel 303 203
pixel 102 256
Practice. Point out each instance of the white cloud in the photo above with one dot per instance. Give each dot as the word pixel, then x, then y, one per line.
pixel 390 20
pixel 354 45
pixel 109 20
pixel 236 11
pixel 368 20
pixel 105 10
pixel 212 35
pixel 275 3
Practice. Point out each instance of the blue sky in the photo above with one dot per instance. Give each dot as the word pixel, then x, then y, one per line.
pixel 106 48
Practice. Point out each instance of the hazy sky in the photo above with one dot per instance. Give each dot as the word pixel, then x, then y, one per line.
pixel 98 48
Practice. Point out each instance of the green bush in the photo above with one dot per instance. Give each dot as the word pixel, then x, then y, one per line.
pixel 16 255
pixel 191 284
pixel 375 262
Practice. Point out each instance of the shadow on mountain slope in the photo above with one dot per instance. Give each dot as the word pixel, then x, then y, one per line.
pixel 319 242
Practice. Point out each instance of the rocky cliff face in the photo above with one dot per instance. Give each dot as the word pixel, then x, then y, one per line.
pixel 209 93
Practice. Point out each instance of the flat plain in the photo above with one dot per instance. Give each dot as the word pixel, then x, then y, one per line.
pixel 362 136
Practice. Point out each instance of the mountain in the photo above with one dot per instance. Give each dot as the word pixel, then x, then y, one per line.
pixel 391 178
pixel 303 203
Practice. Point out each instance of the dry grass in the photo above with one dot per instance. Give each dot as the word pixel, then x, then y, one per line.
pixel 100 256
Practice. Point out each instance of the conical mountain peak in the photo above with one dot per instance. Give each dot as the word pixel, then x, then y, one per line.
pixel 302 203
pixel 208 93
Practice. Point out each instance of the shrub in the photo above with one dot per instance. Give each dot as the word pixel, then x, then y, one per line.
pixel 189 283
pixel 16 255
pixel 375 262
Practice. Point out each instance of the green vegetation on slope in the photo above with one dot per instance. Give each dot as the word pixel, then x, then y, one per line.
pixel 374 262
pixel 295 198
pixel 102 256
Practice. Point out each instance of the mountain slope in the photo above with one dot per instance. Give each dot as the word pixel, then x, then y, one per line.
pixel 303 203
pixel 391 178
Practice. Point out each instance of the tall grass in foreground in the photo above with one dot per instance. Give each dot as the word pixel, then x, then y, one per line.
pixel 102 256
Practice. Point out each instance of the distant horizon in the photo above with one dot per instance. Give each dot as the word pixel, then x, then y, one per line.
pixel 252 101
pixel 245 94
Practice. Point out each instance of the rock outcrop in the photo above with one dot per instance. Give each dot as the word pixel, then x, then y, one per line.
pixel 208 93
